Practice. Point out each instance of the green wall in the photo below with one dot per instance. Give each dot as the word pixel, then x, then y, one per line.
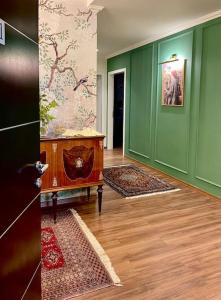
pixel 141 71
pixel 184 142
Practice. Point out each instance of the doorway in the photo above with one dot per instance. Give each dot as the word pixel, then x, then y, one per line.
pixel 116 109
pixel 99 103
pixel 118 113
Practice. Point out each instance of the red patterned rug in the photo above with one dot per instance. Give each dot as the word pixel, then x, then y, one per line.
pixel 51 254
pixel 73 262
pixel 131 181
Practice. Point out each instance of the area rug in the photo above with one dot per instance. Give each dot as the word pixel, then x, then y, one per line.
pixel 132 182
pixel 73 262
pixel 52 257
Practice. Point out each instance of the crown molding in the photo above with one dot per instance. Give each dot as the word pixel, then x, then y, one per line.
pixel 96 8
pixel 89 2
pixel 182 27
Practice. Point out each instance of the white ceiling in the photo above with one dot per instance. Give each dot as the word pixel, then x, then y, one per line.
pixel 123 23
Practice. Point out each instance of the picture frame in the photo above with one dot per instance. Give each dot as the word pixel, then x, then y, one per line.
pixel 173 82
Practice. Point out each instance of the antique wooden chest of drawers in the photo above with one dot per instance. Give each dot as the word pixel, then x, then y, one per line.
pixel 75 162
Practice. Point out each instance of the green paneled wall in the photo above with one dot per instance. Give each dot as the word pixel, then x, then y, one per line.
pixel 208 157
pixel 140 113
pixel 184 142
pixel 173 123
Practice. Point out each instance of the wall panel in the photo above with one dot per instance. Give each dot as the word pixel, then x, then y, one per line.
pixel 208 167
pixel 172 123
pixel 140 101
pixel 184 142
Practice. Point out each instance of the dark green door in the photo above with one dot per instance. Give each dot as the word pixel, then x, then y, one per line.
pixel 19 150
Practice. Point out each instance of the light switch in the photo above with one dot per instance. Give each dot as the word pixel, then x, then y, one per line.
pixel 2 32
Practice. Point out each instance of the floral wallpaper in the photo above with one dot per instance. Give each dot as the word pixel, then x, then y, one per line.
pixel 67 42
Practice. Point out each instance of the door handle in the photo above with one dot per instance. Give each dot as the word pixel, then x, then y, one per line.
pixel 41 168
pixel 38 167
pixel 31 173
pixel 38 183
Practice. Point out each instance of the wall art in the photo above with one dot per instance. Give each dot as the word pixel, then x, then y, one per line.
pixel 173 82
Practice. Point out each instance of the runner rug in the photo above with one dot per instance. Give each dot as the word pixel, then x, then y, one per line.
pixel 132 182
pixel 73 262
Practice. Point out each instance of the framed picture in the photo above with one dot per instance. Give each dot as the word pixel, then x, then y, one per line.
pixel 173 82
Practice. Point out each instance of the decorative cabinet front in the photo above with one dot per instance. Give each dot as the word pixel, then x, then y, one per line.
pixel 73 162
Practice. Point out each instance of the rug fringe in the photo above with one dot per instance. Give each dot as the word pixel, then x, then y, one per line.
pixel 98 249
pixel 152 194
pixel 118 166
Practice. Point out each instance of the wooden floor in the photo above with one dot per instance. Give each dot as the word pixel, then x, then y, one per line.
pixel 162 247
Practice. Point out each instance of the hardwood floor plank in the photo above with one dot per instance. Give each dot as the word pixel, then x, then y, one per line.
pixel 163 247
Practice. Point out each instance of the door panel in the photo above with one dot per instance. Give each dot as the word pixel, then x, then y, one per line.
pixel 18 187
pixel 33 291
pixel 19 143
pixel 19 75
pixel 21 15
pixel 20 253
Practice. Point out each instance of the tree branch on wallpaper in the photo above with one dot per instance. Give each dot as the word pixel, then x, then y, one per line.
pixel 82 19
pixel 50 40
pixel 58 63
pixel 67 72
pixel 51 7
pixel 87 118
pixel 93 34
pixel 90 119
pixel 88 14
pixel 90 93
pixel 58 59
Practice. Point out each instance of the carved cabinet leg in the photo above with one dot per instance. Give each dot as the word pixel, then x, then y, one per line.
pixel 55 201
pixel 88 193
pixel 100 192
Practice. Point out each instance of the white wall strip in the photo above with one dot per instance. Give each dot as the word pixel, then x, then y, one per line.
pixel 19 125
pixel 20 32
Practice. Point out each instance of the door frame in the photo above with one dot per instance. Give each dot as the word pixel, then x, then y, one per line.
pixel 110 108
pixel 99 107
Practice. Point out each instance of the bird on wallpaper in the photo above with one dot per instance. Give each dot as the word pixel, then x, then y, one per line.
pixel 80 82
